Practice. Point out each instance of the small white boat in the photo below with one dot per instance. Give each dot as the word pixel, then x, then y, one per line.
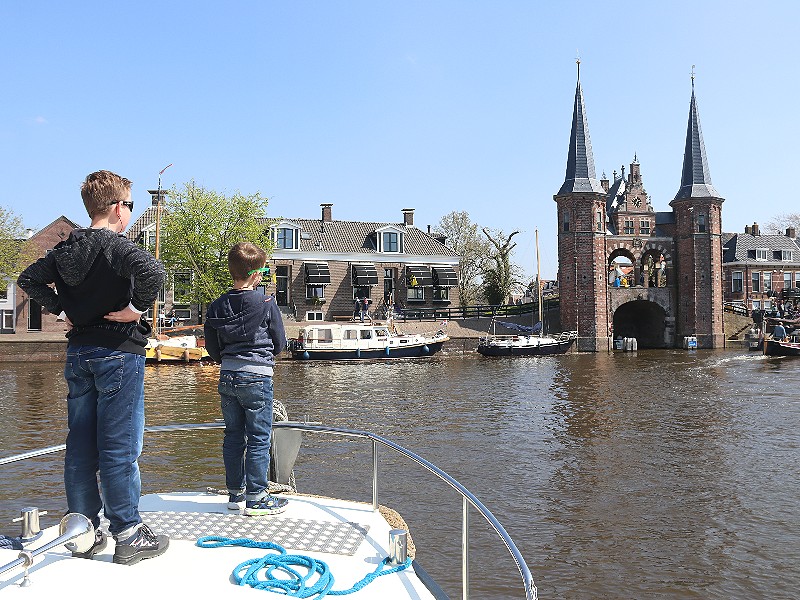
pixel 351 341
pixel 349 541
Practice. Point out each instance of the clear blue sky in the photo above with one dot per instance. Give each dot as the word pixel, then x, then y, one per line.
pixel 377 106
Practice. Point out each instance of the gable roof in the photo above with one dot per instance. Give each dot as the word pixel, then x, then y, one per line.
pixel 740 247
pixel 359 237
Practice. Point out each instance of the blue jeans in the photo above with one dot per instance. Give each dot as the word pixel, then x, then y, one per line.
pixel 105 413
pixel 246 400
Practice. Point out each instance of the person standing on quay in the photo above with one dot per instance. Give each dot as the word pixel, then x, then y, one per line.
pixel 244 331
pixel 104 282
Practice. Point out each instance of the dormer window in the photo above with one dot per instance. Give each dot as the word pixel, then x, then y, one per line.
pixel 286 236
pixel 787 255
pixel 285 239
pixel 762 253
pixel 390 240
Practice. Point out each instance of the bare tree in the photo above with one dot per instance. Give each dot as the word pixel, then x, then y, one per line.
pixel 780 223
pixel 500 275
pixel 462 236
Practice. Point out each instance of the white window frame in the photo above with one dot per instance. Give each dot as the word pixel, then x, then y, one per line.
pixel 182 312
pixel 787 255
pixel 314 315
pixel 385 247
pixel 628 227
pixel 416 294
pixel 644 227
pixel 762 253
pixel 787 280
pixel 797 279
pixel 8 319
pixel 288 234
pixel 755 281
pixel 766 280
pixel 441 294
pixel 401 240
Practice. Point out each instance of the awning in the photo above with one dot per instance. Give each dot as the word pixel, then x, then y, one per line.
pixel 444 277
pixel 419 276
pixel 364 275
pixel 317 273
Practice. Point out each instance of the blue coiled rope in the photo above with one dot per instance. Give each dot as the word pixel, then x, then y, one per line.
pixel 293 583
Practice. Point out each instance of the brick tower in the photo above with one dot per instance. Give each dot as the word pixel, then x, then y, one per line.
pixel 581 203
pixel 698 242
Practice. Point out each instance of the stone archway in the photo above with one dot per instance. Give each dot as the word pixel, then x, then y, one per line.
pixel 643 320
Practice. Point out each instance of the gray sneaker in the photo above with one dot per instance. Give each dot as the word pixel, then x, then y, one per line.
pixel 142 544
pixel 100 543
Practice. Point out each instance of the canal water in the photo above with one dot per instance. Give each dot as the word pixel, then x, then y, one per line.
pixel 658 474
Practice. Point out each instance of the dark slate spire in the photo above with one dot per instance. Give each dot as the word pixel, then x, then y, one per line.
pixel 580 176
pixel 696 180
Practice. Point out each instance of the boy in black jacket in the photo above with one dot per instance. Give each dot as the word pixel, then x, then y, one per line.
pixel 244 331
pixel 104 283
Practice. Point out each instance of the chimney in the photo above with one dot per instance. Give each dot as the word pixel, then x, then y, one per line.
pixel 755 229
pixel 604 183
pixel 29 233
pixel 790 232
pixel 326 213
pixel 408 217
pixel 747 229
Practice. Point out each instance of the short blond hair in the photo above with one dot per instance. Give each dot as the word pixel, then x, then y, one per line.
pixel 101 189
pixel 243 258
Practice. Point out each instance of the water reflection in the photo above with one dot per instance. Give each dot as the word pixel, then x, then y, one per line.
pixel 662 474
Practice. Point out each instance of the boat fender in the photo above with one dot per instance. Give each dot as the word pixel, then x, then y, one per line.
pixel 425 349
pixel 305 355
pixel 358 352
pixel 387 350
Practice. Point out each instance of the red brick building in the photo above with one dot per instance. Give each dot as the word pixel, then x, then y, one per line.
pixel 674 289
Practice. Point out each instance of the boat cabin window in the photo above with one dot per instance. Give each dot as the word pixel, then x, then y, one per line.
pixel 382 333
pixel 349 334
pixel 322 335
pixel 366 334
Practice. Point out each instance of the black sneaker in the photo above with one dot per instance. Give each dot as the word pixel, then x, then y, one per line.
pixel 142 544
pixel 268 505
pixel 236 501
pixel 100 543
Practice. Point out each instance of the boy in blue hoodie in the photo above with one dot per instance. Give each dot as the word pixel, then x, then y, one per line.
pixel 244 331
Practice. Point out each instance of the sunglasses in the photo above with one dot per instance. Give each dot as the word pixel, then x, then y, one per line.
pixel 261 270
pixel 128 203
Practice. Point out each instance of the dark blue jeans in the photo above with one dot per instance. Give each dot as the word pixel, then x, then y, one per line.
pixel 246 400
pixel 105 412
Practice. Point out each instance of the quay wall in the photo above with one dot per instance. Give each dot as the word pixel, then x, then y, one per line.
pixel 464 334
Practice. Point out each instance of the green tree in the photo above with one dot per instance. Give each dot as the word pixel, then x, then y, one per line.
pixel 16 252
pixel 500 275
pixel 463 237
pixel 199 226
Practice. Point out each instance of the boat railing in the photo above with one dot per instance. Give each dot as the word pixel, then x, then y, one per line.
pixel 377 441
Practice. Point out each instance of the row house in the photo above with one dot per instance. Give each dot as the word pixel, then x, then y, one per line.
pixel 759 269
pixel 322 266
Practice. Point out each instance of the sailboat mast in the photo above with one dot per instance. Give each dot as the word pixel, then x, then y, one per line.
pixel 539 284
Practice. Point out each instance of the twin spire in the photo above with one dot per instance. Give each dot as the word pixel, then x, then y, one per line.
pixel 580 175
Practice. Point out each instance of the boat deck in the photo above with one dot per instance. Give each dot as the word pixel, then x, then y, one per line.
pixel 349 537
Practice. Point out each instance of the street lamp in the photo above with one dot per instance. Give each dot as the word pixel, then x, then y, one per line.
pixel 156 251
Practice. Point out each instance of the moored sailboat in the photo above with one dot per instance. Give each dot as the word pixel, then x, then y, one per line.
pixel 534 343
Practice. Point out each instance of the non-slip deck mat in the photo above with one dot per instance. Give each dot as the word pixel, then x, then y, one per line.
pixel 293 534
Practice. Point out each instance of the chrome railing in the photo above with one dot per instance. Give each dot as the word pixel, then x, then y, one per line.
pixel 467 497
